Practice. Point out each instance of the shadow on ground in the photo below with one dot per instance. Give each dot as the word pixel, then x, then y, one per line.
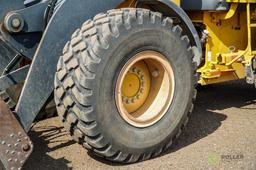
pixel 42 137
pixel 203 122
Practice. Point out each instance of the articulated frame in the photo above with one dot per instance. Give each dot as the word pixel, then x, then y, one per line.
pixel 228 48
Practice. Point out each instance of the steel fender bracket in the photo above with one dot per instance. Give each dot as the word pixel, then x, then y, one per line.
pixel 38 87
pixel 15 145
pixel 13 78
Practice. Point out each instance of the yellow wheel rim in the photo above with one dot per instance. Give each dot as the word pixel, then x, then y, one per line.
pixel 144 89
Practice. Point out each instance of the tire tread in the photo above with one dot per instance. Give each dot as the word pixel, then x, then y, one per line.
pixel 77 69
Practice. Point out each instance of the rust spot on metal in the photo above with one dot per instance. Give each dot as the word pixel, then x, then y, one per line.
pixel 13 139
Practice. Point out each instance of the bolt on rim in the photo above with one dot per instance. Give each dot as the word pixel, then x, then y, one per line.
pixel 145 89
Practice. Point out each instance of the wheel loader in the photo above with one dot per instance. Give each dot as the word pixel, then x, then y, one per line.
pixel 122 73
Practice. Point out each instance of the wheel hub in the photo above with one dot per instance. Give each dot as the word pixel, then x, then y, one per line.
pixel 131 85
pixel 136 86
pixel 144 89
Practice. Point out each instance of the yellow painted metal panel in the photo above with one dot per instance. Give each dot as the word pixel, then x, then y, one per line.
pixel 230 46
pixel 177 2
pixel 242 1
pixel 226 37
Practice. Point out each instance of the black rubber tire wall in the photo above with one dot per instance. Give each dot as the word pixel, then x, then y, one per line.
pixel 86 76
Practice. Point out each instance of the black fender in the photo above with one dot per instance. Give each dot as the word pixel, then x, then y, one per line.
pixel 169 8
pixel 186 21
pixel 39 83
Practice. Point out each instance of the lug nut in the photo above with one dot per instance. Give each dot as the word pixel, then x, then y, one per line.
pixel 142 84
pixel 127 101
pixel 155 73
pixel 134 69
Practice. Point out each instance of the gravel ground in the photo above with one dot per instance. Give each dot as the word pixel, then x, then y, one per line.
pixel 221 134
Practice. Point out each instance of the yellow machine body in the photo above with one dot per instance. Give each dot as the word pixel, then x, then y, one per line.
pixel 229 47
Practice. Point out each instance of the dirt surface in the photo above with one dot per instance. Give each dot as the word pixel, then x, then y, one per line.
pixel 221 134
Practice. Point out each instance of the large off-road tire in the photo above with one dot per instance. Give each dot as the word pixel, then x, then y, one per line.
pixel 90 71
